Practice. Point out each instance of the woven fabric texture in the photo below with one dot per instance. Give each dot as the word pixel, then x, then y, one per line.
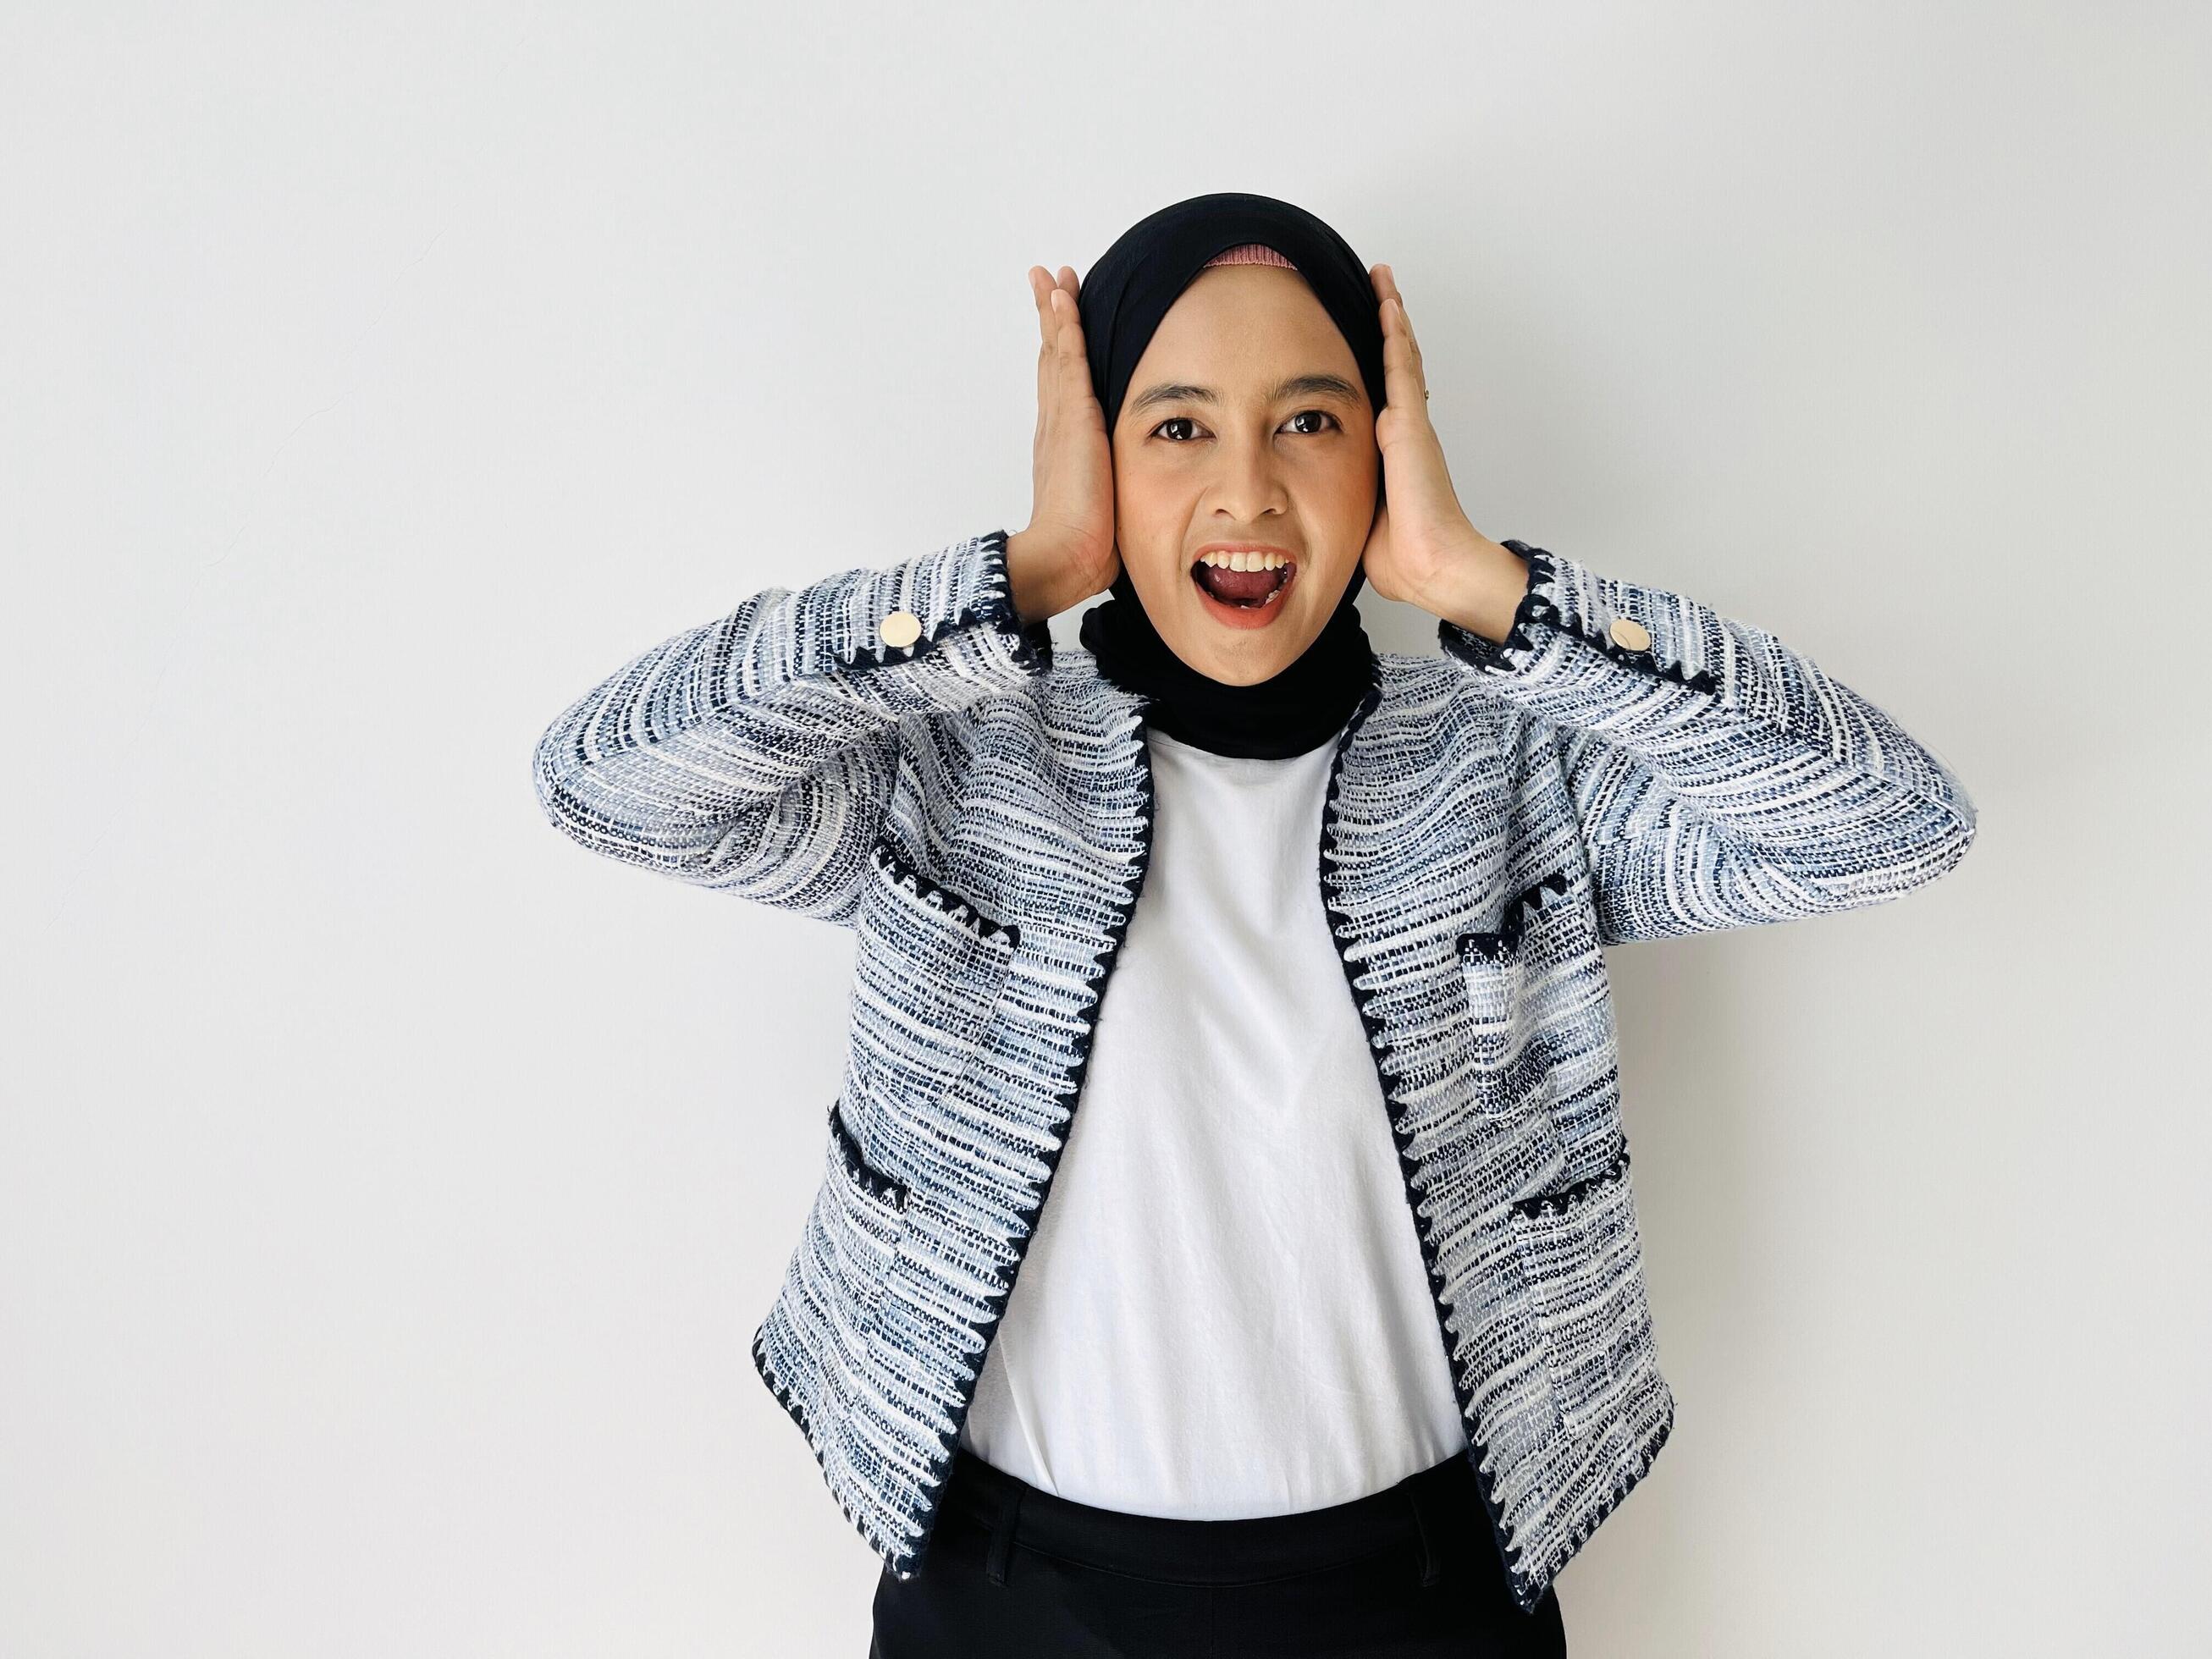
pixel 976 807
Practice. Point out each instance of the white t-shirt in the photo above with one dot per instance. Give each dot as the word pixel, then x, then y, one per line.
pixel 1223 1312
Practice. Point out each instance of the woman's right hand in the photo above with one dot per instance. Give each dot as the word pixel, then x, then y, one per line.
pixel 1067 553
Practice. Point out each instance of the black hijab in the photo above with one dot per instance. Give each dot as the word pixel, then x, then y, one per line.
pixel 1123 299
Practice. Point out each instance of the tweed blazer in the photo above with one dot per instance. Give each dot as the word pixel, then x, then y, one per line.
pixel 894 749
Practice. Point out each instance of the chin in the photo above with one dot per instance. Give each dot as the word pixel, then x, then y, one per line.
pixel 1244 656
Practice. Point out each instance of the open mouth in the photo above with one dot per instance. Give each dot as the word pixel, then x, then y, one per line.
pixel 1245 581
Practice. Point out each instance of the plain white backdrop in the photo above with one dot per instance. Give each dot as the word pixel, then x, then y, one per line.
pixel 389 1190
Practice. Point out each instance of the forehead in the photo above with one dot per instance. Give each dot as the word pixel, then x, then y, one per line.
pixel 1238 322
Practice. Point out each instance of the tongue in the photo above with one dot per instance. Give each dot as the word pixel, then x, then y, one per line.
pixel 1239 586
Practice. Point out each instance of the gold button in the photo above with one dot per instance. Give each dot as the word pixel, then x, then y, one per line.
pixel 900 628
pixel 1631 635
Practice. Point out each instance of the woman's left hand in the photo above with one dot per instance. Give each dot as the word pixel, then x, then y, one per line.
pixel 1422 549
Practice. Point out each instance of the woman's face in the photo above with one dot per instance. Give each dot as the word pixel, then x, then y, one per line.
pixel 1246 424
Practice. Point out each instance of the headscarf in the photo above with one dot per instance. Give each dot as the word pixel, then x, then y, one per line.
pixel 1123 299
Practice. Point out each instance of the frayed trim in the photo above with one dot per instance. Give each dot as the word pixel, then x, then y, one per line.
pixel 1558 1203
pixel 909 1565
pixel 1529 1596
pixel 863 1175
pixel 1623 1483
pixel 893 1556
pixel 1539 604
pixel 1505 938
pixel 1029 644
pixel 905 873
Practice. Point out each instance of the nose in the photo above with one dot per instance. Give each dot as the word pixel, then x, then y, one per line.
pixel 1248 485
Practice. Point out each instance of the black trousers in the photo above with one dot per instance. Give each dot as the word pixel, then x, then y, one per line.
pixel 1015 1572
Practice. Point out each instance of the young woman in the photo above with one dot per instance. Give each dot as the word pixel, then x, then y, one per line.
pixel 1334 1337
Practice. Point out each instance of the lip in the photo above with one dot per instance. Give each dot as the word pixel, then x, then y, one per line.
pixel 1236 616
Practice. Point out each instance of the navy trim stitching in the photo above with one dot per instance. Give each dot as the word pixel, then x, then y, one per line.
pixel 865 1175
pixel 1555 1203
pixel 1558 1203
pixel 1031 644
pixel 907 1567
pixel 1491 656
pixel 1502 941
pixel 1623 1484
pixel 906 874
pixel 1527 1593
pixel 857 1166
pixel 796 1410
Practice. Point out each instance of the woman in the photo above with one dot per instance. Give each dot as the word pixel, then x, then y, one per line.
pixel 1334 1337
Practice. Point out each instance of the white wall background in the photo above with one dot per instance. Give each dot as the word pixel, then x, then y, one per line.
pixel 389 1190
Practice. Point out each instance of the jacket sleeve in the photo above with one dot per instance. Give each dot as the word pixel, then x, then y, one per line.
pixel 756 755
pixel 1718 777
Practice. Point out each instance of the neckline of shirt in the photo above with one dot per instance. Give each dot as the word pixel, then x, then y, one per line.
pixel 1263 764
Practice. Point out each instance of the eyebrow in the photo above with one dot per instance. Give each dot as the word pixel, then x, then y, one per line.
pixel 1298 386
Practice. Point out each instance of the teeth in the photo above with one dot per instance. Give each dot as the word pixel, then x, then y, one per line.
pixel 1244 560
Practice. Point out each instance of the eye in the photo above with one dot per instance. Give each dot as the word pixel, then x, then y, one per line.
pixel 1305 432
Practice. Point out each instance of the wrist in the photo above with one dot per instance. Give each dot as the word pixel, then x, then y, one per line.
pixel 1027 578
pixel 1042 580
pixel 1480 589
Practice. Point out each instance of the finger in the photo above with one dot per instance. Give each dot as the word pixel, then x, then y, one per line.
pixel 1074 366
pixel 1396 325
pixel 1402 385
pixel 1077 385
pixel 1398 339
pixel 1393 297
pixel 1041 287
pixel 1047 370
pixel 1413 345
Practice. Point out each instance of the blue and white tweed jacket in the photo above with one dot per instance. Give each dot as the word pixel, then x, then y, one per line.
pixel 1628 764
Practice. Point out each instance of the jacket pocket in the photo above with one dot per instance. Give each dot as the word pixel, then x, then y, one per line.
pixel 860 1221
pixel 929 969
pixel 1506 973
pixel 1582 1255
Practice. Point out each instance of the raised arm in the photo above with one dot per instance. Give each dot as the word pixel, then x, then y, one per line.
pixel 756 755
pixel 1719 779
